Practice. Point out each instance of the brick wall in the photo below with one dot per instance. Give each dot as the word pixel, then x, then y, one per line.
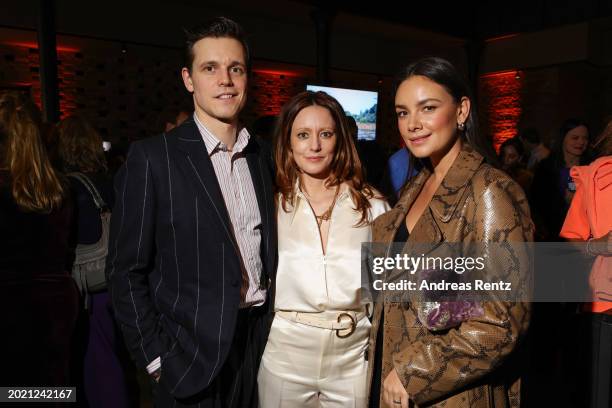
pixel 121 93
pixel 500 106
pixel 269 91
pixel 543 98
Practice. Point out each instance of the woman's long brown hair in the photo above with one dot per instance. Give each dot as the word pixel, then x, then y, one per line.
pixel 345 166
pixel 80 146
pixel 35 185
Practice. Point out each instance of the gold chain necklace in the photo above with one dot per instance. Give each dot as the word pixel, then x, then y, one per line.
pixel 327 214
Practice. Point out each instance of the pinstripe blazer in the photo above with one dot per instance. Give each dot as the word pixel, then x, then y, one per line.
pixel 173 263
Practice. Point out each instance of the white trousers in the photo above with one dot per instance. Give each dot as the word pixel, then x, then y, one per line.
pixel 304 366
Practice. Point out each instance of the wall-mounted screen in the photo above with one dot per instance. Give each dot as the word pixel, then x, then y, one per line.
pixel 361 105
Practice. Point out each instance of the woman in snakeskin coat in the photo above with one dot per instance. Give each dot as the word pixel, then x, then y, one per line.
pixel 456 198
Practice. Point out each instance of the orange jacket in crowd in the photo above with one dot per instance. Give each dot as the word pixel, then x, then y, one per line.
pixel 590 216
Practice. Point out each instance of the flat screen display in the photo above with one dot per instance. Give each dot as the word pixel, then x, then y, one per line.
pixel 359 104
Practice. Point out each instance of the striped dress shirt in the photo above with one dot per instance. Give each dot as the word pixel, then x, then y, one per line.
pixel 238 192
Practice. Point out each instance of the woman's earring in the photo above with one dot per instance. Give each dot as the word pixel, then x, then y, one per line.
pixel 461 126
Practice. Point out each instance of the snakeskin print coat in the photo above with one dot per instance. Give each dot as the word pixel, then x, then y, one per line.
pixel 475 363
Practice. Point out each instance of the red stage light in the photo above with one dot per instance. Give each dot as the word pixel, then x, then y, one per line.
pixel 34 45
pixel 503 104
pixel 275 72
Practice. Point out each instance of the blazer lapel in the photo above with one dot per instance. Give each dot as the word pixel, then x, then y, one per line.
pixel 264 199
pixel 198 166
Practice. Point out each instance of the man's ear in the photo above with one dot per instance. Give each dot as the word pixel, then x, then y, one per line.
pixel 187 79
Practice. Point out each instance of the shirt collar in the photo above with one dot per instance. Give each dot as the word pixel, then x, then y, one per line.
pixel 213 144
pixel 299 196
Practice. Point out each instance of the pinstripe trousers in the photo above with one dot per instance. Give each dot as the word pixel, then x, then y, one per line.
pixel 236 384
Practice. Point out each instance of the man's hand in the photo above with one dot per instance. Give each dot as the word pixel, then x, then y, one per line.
pixel 394 394
pixel 156 375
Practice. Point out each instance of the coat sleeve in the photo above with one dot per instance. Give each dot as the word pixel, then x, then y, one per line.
pixel 576 224
pixel 131 256
pixel 440 363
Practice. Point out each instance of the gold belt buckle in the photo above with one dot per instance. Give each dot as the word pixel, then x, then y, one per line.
pixel 352 328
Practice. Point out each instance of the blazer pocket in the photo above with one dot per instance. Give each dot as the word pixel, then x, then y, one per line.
pixel 169 334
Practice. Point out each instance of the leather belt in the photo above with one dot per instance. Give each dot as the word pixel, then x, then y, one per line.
pixel 343 322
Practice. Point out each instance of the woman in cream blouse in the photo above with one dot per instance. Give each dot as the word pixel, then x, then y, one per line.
pixel 315 355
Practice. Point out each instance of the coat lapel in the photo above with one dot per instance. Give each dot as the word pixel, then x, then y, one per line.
pixel 425 230
pixel 263 192
pixel 425 233
pixel 443 202
pixel 198 166
pixel 406 199
pixel 448 195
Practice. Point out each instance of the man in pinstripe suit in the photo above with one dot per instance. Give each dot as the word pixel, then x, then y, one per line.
pixel 192 251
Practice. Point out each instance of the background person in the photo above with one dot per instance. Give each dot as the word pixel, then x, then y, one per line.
pixel 511 155
pixel 589 219
pixel 38 298
pixel 171 118
pixel 80 150
pixel 536 150
pixel 553 187
pixel 397 173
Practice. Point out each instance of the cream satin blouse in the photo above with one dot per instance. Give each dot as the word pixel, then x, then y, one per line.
pixel 308 280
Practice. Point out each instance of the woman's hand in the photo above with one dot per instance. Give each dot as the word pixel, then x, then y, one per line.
pixel 394 394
